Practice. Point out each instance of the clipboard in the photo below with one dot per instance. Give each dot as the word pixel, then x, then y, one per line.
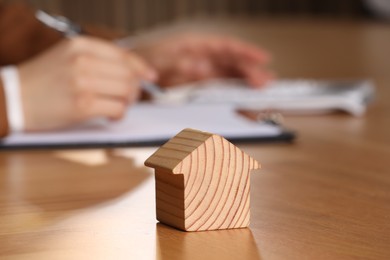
pixel 149 124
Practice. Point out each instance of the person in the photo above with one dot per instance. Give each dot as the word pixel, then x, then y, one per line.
pixel 63 81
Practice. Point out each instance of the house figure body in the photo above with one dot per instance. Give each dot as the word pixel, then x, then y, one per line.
pixel 202 182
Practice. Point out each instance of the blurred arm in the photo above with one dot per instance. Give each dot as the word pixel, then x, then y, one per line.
pixel 23 37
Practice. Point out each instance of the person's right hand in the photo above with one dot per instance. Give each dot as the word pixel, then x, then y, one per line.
pixel 80 79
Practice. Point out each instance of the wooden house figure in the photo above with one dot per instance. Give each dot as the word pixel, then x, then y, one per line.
pixel 202 182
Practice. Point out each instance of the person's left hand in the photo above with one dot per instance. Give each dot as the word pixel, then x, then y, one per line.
pixel 191 57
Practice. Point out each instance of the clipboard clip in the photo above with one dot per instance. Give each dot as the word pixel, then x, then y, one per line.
pixel 268 116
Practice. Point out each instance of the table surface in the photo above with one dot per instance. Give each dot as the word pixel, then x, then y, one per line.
pixel 325 196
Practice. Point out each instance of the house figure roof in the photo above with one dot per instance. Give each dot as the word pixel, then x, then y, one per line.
pixel 177 150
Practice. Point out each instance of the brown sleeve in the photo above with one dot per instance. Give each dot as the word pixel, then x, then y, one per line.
pixel 22 36
pixel 3 113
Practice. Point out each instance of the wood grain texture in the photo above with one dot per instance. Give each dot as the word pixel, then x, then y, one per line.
pixel 202 182
pixel 326 196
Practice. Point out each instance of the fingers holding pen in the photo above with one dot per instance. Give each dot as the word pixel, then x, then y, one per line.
pixel 126 91
pixel 84 77
pixel 105 78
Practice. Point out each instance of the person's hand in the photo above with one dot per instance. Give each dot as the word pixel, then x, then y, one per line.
pixel 80 79
pixel 191 57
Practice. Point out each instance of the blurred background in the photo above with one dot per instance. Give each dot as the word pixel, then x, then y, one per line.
pixel 138 15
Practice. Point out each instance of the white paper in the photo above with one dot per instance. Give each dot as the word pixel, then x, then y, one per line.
pixel 299 96
pixel 147 122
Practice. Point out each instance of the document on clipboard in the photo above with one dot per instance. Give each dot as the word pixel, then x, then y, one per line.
pixel 214 106
pixel 154 124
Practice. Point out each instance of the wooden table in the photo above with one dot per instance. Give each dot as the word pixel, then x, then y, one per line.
pixel 326 196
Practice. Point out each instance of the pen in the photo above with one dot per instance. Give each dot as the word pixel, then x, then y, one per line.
pixel 71 29
pixel 152 89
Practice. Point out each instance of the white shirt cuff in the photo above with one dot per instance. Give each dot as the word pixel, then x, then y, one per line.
pixel 10 77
